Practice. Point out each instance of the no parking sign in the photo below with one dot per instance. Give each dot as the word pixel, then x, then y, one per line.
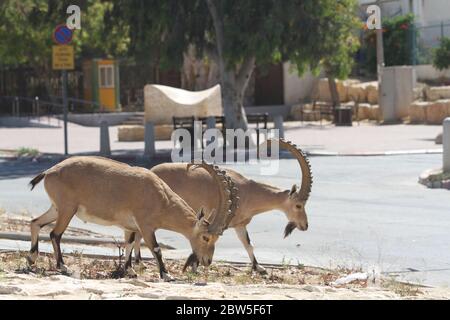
pixel 62 34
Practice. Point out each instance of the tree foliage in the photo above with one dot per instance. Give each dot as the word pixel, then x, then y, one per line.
pixel 240 34
pixel 398 36
pixel 441 55
pixel 26 28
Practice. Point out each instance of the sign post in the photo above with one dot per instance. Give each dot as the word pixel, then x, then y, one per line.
pixel 63 59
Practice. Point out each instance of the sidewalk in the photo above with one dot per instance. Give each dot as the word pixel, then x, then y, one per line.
pixel 363 139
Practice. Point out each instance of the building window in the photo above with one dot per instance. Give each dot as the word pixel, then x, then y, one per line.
pixel 106 76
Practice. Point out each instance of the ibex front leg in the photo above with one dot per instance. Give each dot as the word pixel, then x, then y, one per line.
pixel 245 239
pixel 152 244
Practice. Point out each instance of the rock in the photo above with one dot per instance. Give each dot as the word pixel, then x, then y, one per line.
pixel 364 111
pixel 311 289
pixel 438 139
pixel 131 133
pixel 374 112
pixel 162 103
pixel 136 133
pixel 163 132
pixel 342 87
pixel 350 278
pixel 9 290
pixel 418 111
pixel 296 113
pixel 357 92
pixel 372 92
pixel 148 295
pixel 437 93
pixel 418 93
pixel 438 111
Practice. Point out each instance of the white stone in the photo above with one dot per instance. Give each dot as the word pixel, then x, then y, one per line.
pixel 162 103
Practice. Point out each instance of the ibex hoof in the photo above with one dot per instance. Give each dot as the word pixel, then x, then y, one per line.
pixel 130 273
pixel 167 277
pixel 64 270
pixel 261 270
pixel 30 261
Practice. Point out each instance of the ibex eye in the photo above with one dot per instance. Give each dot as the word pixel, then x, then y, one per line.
pixel 205 238
pixel 299 206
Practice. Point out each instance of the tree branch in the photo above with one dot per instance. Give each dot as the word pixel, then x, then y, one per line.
pixel 219 28
pixel 245 72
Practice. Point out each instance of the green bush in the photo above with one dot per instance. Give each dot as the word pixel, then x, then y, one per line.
pixel 441 55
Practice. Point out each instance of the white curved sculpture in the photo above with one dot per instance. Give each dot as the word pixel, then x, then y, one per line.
pixel 163 102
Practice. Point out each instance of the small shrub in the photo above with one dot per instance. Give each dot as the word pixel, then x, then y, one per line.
pixel 441 55
pixel 27 152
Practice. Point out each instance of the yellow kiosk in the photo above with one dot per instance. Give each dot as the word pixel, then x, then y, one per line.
pixel 101 83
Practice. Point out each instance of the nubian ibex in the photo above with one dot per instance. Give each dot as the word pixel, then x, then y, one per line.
pixel 255 197
pixel 108 192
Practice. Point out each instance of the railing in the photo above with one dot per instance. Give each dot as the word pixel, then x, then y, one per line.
pixel 35 107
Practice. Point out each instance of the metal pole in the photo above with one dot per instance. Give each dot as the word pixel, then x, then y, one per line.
pixel 65 107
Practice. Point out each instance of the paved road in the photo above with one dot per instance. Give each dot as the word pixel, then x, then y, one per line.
pixel 364 211
pixel 366 137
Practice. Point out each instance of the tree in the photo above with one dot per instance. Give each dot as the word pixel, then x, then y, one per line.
pixel 240 34
pixel 441 55
pixel 399 34
pixel 26 28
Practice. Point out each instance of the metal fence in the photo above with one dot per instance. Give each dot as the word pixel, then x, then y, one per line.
pixel 18 106
pixel 428 39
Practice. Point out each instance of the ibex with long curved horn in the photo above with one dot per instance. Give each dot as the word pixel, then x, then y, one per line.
pixel 108 192
pixel 255 197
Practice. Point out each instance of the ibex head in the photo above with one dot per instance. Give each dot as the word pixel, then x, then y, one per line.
pixel 209 227
pixel 294 206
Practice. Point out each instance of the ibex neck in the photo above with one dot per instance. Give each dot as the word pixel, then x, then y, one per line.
pixel 179 218
pixel 263 197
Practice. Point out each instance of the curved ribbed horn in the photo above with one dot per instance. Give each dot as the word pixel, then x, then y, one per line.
pixel 220 218
pixel 303 161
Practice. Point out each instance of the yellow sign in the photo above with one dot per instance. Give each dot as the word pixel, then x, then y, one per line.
pixel 63 57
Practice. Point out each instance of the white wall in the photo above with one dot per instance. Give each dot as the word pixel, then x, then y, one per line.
pixel 428 72
pixel 296 88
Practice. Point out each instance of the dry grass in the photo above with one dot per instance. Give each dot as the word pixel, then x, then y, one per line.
pixel 400 288
pixel 84 267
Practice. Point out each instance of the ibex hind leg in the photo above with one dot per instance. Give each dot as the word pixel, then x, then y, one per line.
pixel 129 242
pixel 64 216
pixel 137 248
pixel 36 224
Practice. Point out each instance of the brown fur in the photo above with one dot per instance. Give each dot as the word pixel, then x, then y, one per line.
pixel 111 193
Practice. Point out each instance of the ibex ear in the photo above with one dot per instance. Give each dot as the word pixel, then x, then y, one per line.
pixel 293 190
pixel 200 213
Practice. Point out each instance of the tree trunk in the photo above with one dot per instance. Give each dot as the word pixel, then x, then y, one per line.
pixel 335 99
pixel 233 107
pixel 234 83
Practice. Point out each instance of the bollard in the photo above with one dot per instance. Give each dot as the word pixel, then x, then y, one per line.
pixel 278 122
pixel 149 140
pixel 105 148
pixel 446 145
